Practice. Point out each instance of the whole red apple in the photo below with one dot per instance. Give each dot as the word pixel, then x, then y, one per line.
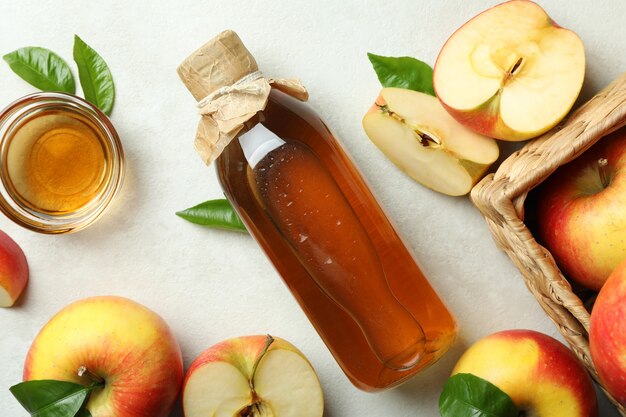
pixel 581 212
pixel 119 341
pixel 541 375
pixel 607 336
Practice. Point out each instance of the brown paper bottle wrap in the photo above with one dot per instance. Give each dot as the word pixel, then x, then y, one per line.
pixel 225 79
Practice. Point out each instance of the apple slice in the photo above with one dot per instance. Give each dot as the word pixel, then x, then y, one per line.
pixel 510 73
pixel 423 140
pixel 252 376
pixel 13 270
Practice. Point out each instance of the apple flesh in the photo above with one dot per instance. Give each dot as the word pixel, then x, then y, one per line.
pixel 581 212
pixel 415 132
pixel 118 340
pixel 510 73
pixel 607 336
pixel 13 270
pixel 542 376
pixel 252 376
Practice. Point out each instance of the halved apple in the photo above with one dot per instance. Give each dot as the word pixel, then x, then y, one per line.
pixel 510 73
pixel 252 376
pixel 423 140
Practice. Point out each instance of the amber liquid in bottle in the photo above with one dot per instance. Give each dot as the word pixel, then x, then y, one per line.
pixel 310 210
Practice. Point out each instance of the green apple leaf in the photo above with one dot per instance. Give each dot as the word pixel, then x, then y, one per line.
pixel 42 68
pixel 95 76
pixel 49 398
pixel 466 395
pixel 214 213
pixel 403 72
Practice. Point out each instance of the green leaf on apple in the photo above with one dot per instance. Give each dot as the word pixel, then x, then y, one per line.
pixel 466 395
pixel 403 72
pixel 50 398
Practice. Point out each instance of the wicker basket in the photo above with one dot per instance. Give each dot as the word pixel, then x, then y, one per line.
pixel 501 196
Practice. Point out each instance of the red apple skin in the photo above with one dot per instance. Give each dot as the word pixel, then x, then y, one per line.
pixel 237 350
pixel 484 120
pixel 13 268
pixel 378 103
pixel 582 224
pixel 541 375
pixel 119 340
pixel 607 336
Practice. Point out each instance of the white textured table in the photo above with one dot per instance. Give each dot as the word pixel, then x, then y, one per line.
pixel 210 285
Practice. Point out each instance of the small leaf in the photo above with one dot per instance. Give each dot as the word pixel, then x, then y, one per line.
pixel 403 72
pixel 42 68
pixel 49 398
pixel 214 213
pixel 466 395
pixel 95 76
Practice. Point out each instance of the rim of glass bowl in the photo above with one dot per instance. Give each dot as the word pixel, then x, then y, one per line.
pixel 10 119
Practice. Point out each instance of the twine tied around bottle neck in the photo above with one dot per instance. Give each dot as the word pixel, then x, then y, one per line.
pixel 225 110
pixel 243 85
pixel 225 79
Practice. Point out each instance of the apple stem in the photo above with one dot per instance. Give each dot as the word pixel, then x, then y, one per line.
pixel 603 170
pixel 268 341
pixel 83 371
pixel 247 411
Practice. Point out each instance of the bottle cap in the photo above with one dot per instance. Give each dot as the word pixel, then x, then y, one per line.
pixel 258 142
pixel 220 62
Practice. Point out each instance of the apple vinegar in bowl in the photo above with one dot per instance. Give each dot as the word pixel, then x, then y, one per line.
pixel 62 162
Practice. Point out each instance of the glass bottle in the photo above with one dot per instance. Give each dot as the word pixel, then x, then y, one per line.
pixel 306 204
